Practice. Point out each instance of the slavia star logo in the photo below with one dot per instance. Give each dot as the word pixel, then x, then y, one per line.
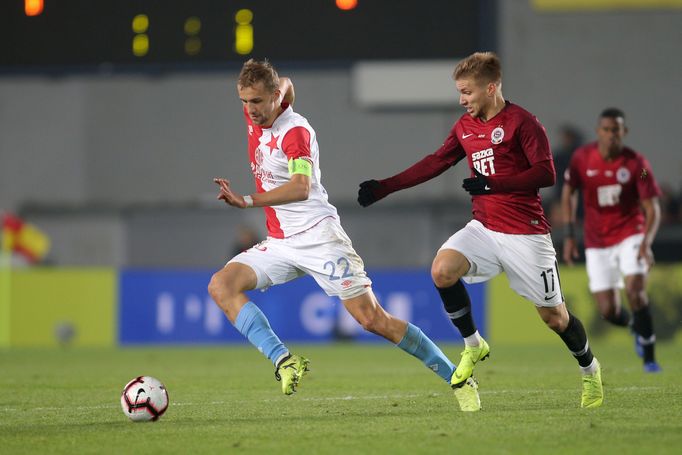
pixel 272 144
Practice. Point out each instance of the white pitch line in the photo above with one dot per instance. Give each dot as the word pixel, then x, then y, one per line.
pixel 343 398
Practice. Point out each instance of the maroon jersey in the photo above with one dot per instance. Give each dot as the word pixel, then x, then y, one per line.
pixel 505 146
pixel 612 191
pixel 512 150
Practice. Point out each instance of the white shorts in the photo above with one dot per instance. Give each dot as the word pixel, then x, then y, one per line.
pixel 607 266
pixel 324 252
pixel 529 261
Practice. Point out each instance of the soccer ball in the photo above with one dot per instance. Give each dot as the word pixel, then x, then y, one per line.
pixel 144 398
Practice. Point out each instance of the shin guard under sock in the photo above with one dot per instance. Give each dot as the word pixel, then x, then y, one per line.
pixel 458 306
pixel 575 339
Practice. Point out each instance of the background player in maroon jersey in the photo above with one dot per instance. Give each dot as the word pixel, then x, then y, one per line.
pixel 617 185
pixel 509 155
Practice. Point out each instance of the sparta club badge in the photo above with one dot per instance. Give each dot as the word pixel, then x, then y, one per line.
pixel 497 135
pixel 622 175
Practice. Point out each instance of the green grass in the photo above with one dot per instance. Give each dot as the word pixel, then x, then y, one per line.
pixel 357 399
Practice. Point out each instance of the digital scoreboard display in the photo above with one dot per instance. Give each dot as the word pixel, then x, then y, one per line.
pixel 43 34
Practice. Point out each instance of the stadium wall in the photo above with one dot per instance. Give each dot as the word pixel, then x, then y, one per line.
pixel 106 307
pixel 53 307
pixel 170 307
pixel 114 149
pixel 513 320
pixel 137 138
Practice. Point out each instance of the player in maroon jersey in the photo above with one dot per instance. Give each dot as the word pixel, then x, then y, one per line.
pixel 507 150
pixel 617 184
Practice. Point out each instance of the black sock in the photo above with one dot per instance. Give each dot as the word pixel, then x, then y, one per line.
pixel 576 339
pixel 458 306
pixel 643 326
pixel 622 319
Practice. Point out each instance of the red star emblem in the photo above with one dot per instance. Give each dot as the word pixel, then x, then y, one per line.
pixel 272 144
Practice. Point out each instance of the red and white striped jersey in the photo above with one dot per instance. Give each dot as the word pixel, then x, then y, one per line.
pixel 270 150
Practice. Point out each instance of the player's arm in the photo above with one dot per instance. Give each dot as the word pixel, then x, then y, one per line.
pixel 652 215
pixel 296 189
pixel 449 154
pixel 296 147
pixel 286 88
pixel 649 193
pixel 540 174
pixel 569 206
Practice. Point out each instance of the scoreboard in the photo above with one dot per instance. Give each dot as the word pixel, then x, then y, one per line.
pixel 44 34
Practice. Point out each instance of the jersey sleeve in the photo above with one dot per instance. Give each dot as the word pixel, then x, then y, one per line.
pixel 447 155
pixel 533 140
pixel 451 151
pixel 538 175
pixel 647 187
pixel 296 143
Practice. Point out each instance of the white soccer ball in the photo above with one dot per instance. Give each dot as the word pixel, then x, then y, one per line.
pixel 144 398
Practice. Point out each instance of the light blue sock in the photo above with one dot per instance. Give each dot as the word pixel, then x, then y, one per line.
pixel 419 345
pixel 252 323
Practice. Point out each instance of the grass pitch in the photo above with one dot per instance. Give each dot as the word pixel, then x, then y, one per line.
pixel 357 399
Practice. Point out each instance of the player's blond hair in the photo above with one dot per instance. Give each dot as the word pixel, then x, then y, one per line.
pixel 481 66
pixel 255 71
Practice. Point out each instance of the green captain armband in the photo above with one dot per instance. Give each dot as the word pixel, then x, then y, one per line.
pixel 300 166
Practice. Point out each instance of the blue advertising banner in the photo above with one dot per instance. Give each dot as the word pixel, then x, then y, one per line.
pixel 174 307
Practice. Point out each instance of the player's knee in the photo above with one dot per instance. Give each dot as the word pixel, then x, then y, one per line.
pixel 556 322
pixel 215 287
pixel 448 268
pixel 442 275
pixel 637 297
pixel 556 325
pixel 221 287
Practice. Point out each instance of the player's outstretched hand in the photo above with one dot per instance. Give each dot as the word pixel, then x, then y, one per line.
pixel 477 185
pixel 229 196
pixel 370 191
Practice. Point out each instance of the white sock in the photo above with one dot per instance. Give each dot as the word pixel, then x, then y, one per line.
pixel 473 340
pixel 282 357
pixel 591 368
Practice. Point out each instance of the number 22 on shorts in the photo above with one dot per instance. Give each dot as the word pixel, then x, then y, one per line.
pixel 343 265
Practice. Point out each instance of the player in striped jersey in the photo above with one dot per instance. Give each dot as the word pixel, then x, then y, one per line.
pixel 304 237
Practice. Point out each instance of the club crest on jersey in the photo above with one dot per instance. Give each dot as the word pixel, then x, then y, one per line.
pixel 497 135
pixel 259 156
pixel 622 175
